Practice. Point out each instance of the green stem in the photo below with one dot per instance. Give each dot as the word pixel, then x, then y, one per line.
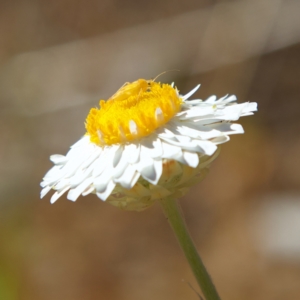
pixel 171 210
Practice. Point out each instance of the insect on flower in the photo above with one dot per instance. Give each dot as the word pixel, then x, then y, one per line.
pixel 129 89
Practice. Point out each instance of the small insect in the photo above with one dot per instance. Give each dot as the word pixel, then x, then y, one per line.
pixel 131 88
pixel 134 88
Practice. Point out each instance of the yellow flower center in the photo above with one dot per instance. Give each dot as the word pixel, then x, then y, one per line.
pixel 134 111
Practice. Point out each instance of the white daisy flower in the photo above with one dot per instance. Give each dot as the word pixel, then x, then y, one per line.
pixel 145 143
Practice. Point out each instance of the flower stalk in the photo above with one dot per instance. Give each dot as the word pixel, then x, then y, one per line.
pixel 171 209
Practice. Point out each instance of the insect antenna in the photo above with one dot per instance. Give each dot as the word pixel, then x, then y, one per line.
pixel 175 70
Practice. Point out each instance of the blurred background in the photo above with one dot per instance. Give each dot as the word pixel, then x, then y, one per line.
pixel 59 57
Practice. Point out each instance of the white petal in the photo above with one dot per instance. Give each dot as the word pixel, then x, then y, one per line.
pixel 133 152
pixel 152 146
pixel 75 193
pixel 194 131
pixel 110 187
pixel 71 166
pixel 212 99
pixel 236 129
pixel 96 153
pixel 252 106
pixel 117 155
pixel 113 151
pixel 69 169
pixel 129 177
pixel 120 166
pixel 183 138
pixel 227 99
pixel 62 184
pixel 102 181
pixel 197 112
pixel 158 148
pixel 192 159
pixel 58 159
pixel 220 139
pixel 83 141
pixel 188 131
pixel 44 191
pixel 146 167
pixel 149 174
pixel 53 172
pixel 207 147
pixel 227 128
pixel 165 132
pixel 80 176
pixel 169 150
pixel 58 194
pixel 207 120
pixel 44 184
pixel 232 112
pixel 88 190
pixel 158 169
pixel 179 157
pixel 189 94
pixel 185 144
pixel 191 103
pixel 85 149
pixel 119 171
pixel 108 156
pixel 102 161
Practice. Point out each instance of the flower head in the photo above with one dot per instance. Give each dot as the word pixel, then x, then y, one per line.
pixel 145 143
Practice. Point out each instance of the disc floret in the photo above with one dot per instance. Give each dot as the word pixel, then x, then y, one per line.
pixel 135 116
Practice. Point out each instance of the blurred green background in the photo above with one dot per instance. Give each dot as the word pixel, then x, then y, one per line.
pixel 58 58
